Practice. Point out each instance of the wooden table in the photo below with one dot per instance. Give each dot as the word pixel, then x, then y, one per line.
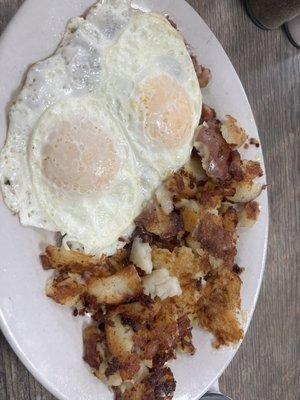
pixel 267 366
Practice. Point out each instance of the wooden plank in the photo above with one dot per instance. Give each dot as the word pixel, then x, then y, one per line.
pixel 266 367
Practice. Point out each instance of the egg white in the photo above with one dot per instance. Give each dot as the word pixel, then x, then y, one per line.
pixel 148 48
pixel 96 217
pixel 98 70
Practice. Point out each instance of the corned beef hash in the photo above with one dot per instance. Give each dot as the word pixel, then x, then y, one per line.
pixel 110 145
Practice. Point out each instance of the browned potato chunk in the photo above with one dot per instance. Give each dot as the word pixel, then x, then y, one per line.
pixel 252 169
pixel 218 306
pixel 160 384
pixel 57 258
pixel 155 221
pixel 213 237
pixel 120 345
pixel 249 214
pixel 117 288
pixel 234 135
pixel 182 184
pixel 91 337
pixel 190 219
pixel 118 337
pixel 182 263
pixel 245 192
pixel 66 289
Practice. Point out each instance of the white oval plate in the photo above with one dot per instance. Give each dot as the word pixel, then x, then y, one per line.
pixel 45 336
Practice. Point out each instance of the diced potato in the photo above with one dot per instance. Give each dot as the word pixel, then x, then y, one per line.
pixel 249 214
pixel 252 169
pixel 118 337
pixel 233 134
pixel 56 257
pixel 117 288
pixel 192 205
pixel 161 284
pixel 66 289
pixel 189 218
pixel 194 167
pixel 218 306
pixel 246 192
pixel 160 381
pixel 141 255
pixel 165 200
pixel 194 244
pixel 214 237
pixel 182 184
pixel 182 263
pixel 91 340
pixel 154 220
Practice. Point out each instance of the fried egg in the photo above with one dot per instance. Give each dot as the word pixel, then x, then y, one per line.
pixel 155 90
pixel 99 124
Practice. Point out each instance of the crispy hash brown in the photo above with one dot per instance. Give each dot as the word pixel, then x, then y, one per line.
pixel 177 271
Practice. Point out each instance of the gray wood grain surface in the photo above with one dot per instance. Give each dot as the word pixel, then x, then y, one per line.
pixel 267 365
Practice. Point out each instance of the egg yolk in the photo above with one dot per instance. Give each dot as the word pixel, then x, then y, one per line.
pixel 79 157
pixel 166 111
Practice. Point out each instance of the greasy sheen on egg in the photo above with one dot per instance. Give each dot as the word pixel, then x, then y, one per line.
pixel 99 124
